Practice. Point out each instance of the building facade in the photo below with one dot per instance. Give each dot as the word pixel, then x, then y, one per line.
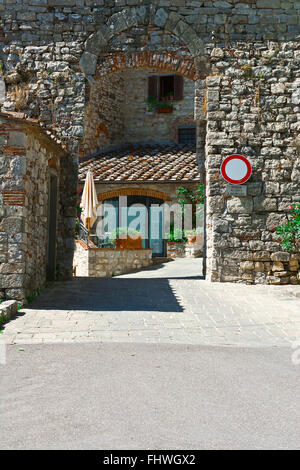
pixel 243 57
pixel 31 206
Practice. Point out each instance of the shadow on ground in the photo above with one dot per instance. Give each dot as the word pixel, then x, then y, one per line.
pixel 109 294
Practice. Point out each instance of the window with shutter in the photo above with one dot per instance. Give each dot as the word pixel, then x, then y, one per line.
pixel 178 87
pixel 153 86
pixel 165 87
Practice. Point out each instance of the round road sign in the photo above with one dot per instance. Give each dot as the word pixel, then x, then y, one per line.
pixel 236 169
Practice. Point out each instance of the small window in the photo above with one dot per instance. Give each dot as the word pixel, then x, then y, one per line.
pixel 187 135
pixel 165 86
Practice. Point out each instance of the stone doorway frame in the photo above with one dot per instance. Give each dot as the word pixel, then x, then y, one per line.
pixel 53 185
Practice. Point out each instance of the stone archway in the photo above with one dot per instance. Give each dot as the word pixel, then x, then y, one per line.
pixel 102 57
pixel 131 17
pixel 133 192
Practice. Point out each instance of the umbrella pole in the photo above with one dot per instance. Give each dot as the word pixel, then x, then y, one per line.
pixel 88 227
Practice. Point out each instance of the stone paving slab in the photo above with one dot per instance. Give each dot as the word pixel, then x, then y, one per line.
pixel 159 306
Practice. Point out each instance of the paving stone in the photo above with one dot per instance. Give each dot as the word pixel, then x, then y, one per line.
pixel 228 314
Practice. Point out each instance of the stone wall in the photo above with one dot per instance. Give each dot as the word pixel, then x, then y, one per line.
pixel 41 42
pixel 175 250
pixel 25 159
pixel 281 268
pixel 248 50
pixel 141 126
pixel 117 112
pixel 106 262
pixel 184 250
pixel 253 108
pixel 105 114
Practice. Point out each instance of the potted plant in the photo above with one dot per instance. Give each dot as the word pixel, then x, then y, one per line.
pixel 194 236
pixel 132 239
pixel 152 104
pixel 170 96
pixel 164 107
pixel 190 235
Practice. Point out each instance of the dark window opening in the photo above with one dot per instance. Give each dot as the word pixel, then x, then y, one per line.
pixel 187 135
pixel 51 241
pixel 165 86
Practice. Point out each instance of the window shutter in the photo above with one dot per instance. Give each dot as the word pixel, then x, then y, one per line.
pixel 153 86
pixel 178 87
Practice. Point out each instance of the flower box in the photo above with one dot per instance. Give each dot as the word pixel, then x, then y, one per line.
pixel 129 243
pixel 165 110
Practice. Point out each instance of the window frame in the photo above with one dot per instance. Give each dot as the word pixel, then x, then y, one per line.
pixel 187 128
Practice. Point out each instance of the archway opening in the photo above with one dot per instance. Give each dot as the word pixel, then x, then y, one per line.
pixel 141 141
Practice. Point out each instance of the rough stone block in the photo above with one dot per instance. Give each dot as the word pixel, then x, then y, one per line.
pixel 8 309
pixel 280 256
pixel 247 266
pixel 277 266
pixel 240 205
pixel 88 63
pixel 268 4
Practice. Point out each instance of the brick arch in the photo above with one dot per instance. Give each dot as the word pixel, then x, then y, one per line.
pixel 169 22
pixel 133 192
pixel 162 62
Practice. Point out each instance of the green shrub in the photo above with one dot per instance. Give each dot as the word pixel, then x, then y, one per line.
pixel 289 231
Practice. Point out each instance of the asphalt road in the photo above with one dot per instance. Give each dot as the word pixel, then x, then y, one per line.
pixel 137 396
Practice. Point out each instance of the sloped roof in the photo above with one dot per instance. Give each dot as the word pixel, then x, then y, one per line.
pixel 140 163
pixel 34 124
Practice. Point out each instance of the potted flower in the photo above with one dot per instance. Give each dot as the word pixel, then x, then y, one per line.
pixel 194 236
pixel 152 104
pixel 130 239
pixel 164 107
pixel 190 235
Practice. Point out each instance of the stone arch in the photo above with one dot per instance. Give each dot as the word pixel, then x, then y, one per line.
pixel 159 61
pixel 133 192
pixel 193 63
pixel 170 22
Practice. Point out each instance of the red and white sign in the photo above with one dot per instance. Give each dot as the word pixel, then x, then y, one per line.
pixel 236 169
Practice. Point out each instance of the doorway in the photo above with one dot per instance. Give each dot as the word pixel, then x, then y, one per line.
pixel 150 213
pixel 52 226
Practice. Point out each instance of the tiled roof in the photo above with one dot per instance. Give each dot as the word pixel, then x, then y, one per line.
pixel 137 163
pixel 34 123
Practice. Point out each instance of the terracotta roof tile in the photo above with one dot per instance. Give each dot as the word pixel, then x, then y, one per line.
pixel 137 163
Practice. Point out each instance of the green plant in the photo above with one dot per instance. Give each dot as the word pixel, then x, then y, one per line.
pixel 20 95
pixel 191 196
pixel 120 231
pixel 194 231
pixel 175 235
pixel 289 231
pixel 154 104
pixel 3 318
pixel 248 71
pixel 30 298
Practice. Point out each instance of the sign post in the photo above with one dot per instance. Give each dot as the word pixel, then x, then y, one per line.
pixel 236 170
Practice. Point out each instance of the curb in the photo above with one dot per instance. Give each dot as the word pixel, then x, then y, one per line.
pixel 8 309
pixel 293 293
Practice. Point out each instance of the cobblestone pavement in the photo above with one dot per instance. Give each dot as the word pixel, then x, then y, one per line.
pixel 159 305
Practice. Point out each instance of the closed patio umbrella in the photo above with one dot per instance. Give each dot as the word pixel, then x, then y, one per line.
pixel 89 202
